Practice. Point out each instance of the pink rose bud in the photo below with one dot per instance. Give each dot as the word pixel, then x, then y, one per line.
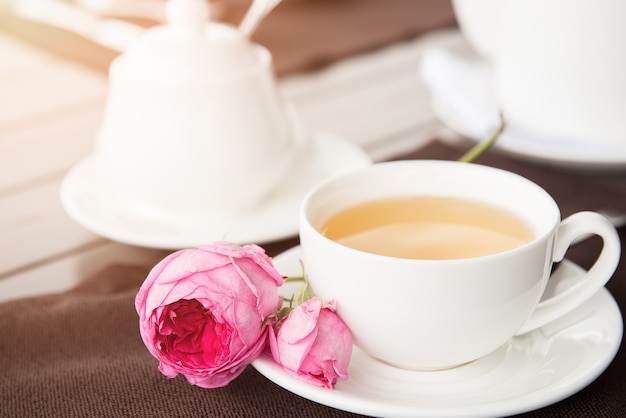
pixel 202 311
pixel 313 344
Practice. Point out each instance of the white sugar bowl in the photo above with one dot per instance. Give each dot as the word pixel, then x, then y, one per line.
pixel 194 122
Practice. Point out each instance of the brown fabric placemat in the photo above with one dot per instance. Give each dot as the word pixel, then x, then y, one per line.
pixel 302 35
pixel 79 353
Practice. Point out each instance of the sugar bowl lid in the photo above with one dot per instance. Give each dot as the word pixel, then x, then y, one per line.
pixel 189 47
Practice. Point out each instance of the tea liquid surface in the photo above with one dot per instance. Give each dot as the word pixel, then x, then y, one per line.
pixel 433 228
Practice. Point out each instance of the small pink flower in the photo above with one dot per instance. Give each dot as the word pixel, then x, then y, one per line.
pixel 313 344
pixel 202 311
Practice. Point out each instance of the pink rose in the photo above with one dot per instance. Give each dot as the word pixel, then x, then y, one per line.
pixel 313 344
pixel 202 311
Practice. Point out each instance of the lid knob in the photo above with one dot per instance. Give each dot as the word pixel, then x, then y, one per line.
pixel 187 17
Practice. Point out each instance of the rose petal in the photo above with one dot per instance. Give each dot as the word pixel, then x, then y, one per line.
pixel 202 311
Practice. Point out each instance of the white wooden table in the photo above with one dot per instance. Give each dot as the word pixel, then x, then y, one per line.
pixel 50 108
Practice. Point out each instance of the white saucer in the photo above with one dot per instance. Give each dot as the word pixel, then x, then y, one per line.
pixel 462 98
pixel 275 218
pixel 530 372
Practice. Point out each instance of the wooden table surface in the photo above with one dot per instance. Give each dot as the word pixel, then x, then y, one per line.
pixel 51 107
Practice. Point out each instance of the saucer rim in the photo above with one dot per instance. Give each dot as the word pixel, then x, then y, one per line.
pixel 76 189
pixel 515 405
pixel 548 152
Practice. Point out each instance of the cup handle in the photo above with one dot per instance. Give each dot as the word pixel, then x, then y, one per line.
pixel 571 228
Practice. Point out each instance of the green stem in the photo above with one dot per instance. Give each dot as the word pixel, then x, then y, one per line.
pixel 294 279
pixel 483 146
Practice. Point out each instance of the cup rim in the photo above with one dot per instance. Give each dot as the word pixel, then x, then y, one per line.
pixel 538 239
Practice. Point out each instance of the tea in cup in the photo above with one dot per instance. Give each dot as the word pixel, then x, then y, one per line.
pixel 434 264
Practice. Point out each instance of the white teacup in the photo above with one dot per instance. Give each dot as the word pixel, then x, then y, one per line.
pixel 558 66
pixel 560 69
pixel 436 314
pixel 479 22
